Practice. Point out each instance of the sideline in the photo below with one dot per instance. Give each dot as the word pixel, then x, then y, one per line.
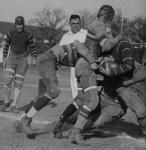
pixel 35 86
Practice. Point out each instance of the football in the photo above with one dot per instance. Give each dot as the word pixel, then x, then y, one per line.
pixel 111 65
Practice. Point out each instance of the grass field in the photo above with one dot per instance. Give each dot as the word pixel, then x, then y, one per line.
pixel 122 135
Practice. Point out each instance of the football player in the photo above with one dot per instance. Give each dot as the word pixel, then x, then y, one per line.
pixel 18 45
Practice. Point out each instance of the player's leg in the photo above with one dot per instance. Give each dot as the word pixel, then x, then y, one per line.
pixel 73 83
pixel 59 53
pixel 137 103
pixel 88 82
pixel 68 112
pixel 109 110
pixel 72 108
pixel 41 87
pixel 8 79
pixel 46 56
pixel 48 73
pixel 19 79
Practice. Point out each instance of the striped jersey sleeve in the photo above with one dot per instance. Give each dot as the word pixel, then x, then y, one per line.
pixel 7 43
pixel 127 63
pixel 31 45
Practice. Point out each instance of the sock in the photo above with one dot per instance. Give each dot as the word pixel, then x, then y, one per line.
pixel 7 94
pixel 27 110
pixel 16 96
pixel 34 106
pixel 41 102
pixel 82 117
pixel 68 111
pixel 31 112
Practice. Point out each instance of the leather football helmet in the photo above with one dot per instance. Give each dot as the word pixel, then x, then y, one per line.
pixel 107 11
pixel 19 20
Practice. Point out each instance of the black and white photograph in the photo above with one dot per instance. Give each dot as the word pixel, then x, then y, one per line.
pixel 72 74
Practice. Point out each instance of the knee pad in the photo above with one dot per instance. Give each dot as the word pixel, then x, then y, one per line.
pixel 89 84
pixel 78 102
pixel 49 78
pixel 19 79
pixel 53 92
pixel 85 111
pixel 91 97
pixel 51 86
pixel 8 77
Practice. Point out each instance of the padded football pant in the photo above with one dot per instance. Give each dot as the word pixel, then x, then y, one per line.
pixel 87 80
pixel 108 110
pixel 134 100
pixel 47 72
pixel 16 67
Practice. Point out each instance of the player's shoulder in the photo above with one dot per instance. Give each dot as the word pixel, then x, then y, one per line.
pixel 12 31
pixel 97 28
pixel 96 24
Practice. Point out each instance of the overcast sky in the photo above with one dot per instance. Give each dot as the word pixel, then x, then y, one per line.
pixel 9 9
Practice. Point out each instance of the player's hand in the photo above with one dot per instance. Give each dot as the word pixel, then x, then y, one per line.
pixel 33 61
pixel 94 66
pixel 104 68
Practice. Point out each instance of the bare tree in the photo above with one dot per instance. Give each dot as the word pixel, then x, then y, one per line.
pixel 139 27
pixel 50 22
pixel 133 29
